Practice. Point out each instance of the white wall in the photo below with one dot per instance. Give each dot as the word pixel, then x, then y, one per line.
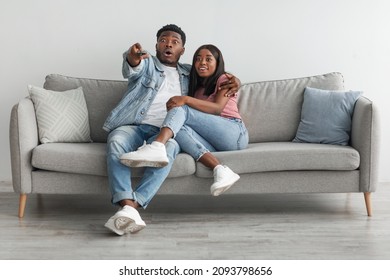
pixel 260 39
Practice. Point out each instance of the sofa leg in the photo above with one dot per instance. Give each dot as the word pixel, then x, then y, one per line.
pixel 22 204
pixel 367 199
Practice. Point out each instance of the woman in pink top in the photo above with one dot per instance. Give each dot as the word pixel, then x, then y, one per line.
pixel 205 121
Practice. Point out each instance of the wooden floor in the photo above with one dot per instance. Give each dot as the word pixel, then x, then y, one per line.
pixel 268 227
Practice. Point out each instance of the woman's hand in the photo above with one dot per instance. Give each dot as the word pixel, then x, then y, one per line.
pixel 176 101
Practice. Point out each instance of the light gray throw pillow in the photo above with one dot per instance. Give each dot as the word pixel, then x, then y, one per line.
pixel 61 116
pixel 326 116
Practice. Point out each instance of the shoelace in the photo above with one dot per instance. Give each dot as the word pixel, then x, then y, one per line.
pixel 143 145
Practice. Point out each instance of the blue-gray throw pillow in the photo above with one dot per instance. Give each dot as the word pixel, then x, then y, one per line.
pixel 326 116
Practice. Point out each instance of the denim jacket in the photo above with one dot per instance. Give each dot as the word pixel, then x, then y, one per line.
pixel 142 88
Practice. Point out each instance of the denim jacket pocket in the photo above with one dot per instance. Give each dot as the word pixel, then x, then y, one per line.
pixel 148 82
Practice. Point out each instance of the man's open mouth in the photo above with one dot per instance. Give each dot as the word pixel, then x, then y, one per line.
pixel 168 53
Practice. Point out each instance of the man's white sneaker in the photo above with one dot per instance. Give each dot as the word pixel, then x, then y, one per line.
pixel 153 155
pixel 126 220
pixel 224 178
pixel 110 224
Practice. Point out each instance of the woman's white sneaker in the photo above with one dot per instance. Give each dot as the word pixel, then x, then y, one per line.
pixel 224 178
pixel 152 155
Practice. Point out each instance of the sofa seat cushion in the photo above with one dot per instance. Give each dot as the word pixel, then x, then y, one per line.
pixel 90 158
pixel 286 156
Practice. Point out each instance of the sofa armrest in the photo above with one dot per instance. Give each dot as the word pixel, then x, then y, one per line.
pixel 366 139
pixel 23 139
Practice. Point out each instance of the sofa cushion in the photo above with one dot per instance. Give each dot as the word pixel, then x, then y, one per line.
pixel 286 156
pixel 271 110
pixel 62 116
pixel 101 97
pixel 326 116
pixel 90 159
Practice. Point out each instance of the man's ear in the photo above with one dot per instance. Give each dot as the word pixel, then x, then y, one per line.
pixel 182 51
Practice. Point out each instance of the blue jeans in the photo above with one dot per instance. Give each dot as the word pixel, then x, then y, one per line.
pixel 129 138
pixel 198 133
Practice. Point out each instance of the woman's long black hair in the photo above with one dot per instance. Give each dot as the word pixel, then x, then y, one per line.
pixel 208 83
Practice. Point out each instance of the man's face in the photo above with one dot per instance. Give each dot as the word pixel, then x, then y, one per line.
pixel 169 48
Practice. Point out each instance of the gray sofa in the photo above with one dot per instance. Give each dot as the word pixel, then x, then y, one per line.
pixel 271 164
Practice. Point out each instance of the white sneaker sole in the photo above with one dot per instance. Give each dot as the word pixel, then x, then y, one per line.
pixel 216 191
pixel 143 163
pixel 128 225
pixel 111 226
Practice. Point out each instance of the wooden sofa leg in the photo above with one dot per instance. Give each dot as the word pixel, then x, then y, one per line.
pixel 367 199
pixel 22 204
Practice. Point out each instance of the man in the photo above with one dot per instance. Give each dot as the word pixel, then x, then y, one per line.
pixel 152 80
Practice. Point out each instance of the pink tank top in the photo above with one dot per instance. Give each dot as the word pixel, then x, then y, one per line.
pixel 231 109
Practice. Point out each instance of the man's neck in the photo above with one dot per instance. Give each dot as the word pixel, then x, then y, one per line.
pixel 169 66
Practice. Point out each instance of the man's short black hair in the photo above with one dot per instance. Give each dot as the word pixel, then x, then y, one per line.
pixel 174 28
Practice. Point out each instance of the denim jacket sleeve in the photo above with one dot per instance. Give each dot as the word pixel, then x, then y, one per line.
pixel 143 84
pixel 127 70
pixel 144 81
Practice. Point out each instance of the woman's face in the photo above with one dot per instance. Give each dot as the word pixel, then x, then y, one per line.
pixel 205 63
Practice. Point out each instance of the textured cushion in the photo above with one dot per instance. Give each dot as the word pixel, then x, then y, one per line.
pixel 326 116
pixel 271 110
pixel 61 116
pixel 101 97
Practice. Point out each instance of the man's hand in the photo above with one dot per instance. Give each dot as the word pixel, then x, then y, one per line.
pixel 136 54
pixel 232 85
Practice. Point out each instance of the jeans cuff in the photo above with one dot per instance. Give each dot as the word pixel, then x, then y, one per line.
pixel 121 196
pixel 202 154
pixel 140 199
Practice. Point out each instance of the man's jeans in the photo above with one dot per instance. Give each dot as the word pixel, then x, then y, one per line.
pixel 128 138
pixel 198 133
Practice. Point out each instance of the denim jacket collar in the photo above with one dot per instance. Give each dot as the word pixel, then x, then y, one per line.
pixel 180 67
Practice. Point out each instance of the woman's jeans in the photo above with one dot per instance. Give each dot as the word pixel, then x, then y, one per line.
pixel 198 133
pixel 128 138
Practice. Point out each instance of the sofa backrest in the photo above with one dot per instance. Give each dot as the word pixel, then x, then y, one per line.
pixel 271 109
